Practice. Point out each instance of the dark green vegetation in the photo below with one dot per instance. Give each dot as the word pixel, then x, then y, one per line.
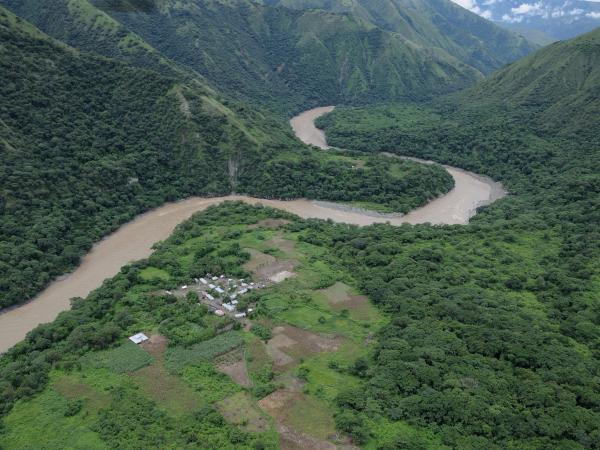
pixel 379 182
pixel 288 58
pixel 486 315
pixel 485 335
pixel 87 143
pixel 492 341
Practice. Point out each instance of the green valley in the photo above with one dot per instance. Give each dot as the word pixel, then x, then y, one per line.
pixel 250 284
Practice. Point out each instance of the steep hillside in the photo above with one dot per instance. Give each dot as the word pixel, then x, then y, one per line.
pixel 434 24
pixel 534 126
pixel 557 88
pixel 276 56
pixel 552 94
pixel 87 143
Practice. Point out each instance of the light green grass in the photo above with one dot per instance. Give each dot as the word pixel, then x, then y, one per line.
pixel 154 273
pixel 211 385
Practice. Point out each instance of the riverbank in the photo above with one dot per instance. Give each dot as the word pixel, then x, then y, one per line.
pixel 134 240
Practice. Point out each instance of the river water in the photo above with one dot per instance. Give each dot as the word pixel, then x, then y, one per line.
pixel 134 240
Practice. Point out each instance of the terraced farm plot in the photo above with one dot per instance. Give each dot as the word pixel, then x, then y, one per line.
pixel 233 364
pixel 289 344
pixel 125 358
pixel 269 268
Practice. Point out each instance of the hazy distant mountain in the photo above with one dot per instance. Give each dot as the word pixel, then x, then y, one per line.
pixel 433 23
pixel 559 19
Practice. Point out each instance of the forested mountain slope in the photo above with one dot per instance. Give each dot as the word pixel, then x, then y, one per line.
pixel 435 24
pixel 87 143
pixel 556 88
pixel 276 56
pixel 534 127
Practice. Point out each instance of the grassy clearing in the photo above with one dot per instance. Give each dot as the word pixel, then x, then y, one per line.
pixel 240 409
pixel 125 358
pixel 340 297
pixel 258 361
pixel 50 421
pixel 154 273
pixel 42 421
pixel 169 391
pixel 303 413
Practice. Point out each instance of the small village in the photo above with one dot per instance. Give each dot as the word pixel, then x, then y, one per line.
pixel 221 294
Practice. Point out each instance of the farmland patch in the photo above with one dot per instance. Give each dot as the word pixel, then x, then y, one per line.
pixel 240 409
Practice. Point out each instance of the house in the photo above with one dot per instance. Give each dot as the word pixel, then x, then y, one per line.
pixel 240 315
pixel 219 290
pixel 215 278
pixel 138 338
pixel 219 312
pixel 210 297
pixel 234 302
pixel 184 286
pixel 229 307
pixel 211 286
pixel 203 281
pixel 243 291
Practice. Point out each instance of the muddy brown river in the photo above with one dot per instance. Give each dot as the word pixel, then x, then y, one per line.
pixel 134 240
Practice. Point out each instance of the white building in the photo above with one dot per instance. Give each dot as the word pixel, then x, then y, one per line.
pixel 138 338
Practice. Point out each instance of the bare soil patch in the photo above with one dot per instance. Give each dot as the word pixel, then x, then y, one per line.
pixel 290 343
pixel 268 268
pixel 156 345
pixel 287 246
pixel 234 365
pixel 339 298
pixel 290 439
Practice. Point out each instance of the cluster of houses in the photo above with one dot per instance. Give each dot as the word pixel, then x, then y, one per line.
pixel 222 293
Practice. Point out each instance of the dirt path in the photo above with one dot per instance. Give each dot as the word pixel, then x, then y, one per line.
pixel 134 240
